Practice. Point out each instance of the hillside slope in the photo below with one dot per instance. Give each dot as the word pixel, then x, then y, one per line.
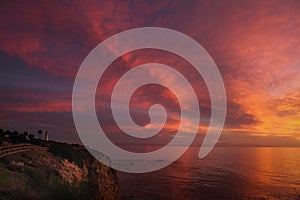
pixel 60 171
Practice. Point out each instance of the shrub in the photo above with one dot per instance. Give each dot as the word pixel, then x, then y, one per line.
pixel 38 142
pixel 66 151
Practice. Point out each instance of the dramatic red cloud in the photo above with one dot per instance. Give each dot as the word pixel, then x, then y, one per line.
pixel 25 100
pixel 255 44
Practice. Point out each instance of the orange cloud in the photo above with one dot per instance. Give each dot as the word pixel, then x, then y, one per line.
pixel 255 44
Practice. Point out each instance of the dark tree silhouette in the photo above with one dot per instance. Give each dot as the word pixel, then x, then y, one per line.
pixel 15 137
pixel 31 136
pixel 15 133
pixel 40 132
pixel 25 133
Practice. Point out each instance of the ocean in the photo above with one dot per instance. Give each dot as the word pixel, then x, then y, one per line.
pixel 226 173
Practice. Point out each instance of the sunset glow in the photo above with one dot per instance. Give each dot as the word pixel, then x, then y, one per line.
pixel 255 45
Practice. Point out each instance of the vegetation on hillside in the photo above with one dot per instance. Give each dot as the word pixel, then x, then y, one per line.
pixel 35 181
pixel 66 151
pixel 59 171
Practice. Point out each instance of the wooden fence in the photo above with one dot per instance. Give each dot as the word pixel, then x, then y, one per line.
pixel 18 148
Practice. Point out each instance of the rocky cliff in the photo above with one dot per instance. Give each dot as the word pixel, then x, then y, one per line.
pixel 59 171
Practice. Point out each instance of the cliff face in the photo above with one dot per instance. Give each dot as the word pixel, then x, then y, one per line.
pixel 103 180
pixel 66 172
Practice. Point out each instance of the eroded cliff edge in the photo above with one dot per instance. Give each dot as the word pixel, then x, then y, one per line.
pixel 56 171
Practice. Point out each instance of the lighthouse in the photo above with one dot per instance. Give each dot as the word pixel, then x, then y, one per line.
pixel 46 136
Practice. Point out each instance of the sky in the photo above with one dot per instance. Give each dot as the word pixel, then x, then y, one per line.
pixel 255 45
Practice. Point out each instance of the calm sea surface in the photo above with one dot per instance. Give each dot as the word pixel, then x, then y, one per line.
pixel 227 173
